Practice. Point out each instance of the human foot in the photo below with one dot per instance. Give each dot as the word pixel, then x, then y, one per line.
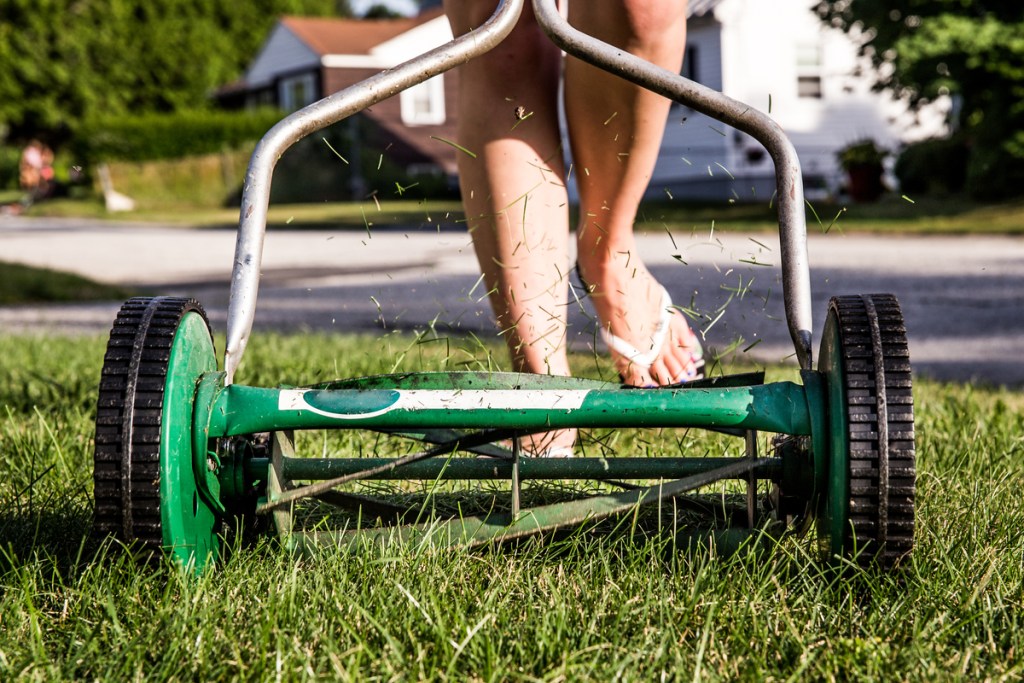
pixel 641 363
pixel 649 340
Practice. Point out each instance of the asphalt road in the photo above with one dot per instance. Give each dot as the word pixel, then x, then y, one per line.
pixel 962 297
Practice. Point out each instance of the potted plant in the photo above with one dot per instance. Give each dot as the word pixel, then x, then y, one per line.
pixel 862 161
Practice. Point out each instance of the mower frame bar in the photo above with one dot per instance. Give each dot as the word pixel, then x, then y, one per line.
pixel 479 469
pixel 779 407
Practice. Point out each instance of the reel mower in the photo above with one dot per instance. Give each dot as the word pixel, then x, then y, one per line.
pixel 182 450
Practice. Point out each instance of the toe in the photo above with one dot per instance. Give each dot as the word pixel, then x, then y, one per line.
pixel 674 368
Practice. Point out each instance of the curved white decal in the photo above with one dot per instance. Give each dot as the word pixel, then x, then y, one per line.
pixel 432 399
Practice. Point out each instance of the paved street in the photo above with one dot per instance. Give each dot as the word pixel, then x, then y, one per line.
pixel 963 297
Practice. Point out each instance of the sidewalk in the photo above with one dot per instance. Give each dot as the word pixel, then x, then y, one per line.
pixel 147 255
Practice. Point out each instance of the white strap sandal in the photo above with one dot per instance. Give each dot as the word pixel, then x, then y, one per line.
pixel 645 359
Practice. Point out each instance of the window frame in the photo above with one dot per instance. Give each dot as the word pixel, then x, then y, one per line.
pixel 430 91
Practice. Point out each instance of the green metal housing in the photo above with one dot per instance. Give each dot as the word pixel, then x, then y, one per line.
pixel 190 522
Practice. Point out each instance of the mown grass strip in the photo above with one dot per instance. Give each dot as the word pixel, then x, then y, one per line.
pixel 22 284
pixel 892 215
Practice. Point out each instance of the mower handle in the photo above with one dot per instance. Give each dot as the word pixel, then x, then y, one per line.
pixel 245 275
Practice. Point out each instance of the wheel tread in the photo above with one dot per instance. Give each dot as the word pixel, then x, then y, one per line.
pixel 146 415
pixel 863 422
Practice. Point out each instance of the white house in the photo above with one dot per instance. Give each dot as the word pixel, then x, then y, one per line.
pixel 777 56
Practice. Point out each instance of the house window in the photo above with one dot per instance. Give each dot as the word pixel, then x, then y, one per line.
pixel 689 69
pixel 295 92
pixel 423 104
pixel 690 64
pixel 808 71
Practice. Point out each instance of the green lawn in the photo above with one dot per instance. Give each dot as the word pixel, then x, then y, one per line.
pixel 924 215
pixel 622 606
pixel 10 196
pixel 341 215
pixel 892 214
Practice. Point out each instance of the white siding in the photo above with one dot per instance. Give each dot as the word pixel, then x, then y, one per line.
pixel 282 53
pixel 762 44
pixel 757 43
pixel 414 42
pixel 695 147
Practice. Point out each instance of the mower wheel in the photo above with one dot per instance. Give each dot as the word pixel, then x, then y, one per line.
pixel 867 512
pixel 145 485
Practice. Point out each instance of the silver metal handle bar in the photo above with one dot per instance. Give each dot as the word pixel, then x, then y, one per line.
pixel 252 227
pixel 796 278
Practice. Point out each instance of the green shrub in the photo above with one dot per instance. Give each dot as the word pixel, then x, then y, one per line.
pixel 318 168
pixel 994 173
pixel 321 168
pixel 862 160
pixel 862 153
pixel 147 137
pixel 936 167
pixel 9 159
pixel 207 180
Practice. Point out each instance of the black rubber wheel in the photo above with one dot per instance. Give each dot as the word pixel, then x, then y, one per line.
pixel 869 506
pixel 143 472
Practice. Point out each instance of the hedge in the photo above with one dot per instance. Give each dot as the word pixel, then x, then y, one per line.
pixel 148 137
pixel 10 157
pixel 937 166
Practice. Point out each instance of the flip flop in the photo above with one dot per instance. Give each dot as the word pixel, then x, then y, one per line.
pixel 645 359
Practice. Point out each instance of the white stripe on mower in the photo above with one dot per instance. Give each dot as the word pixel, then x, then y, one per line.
pixel 432 399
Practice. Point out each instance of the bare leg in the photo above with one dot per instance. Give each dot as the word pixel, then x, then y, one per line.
pixel 514 193
pixel 616 131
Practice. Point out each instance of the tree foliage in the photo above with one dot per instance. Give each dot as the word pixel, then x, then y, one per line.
pixel 379 11
pixel 62 61
pixel 972 50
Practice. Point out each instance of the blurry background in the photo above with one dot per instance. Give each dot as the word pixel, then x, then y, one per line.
pixel 905 97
